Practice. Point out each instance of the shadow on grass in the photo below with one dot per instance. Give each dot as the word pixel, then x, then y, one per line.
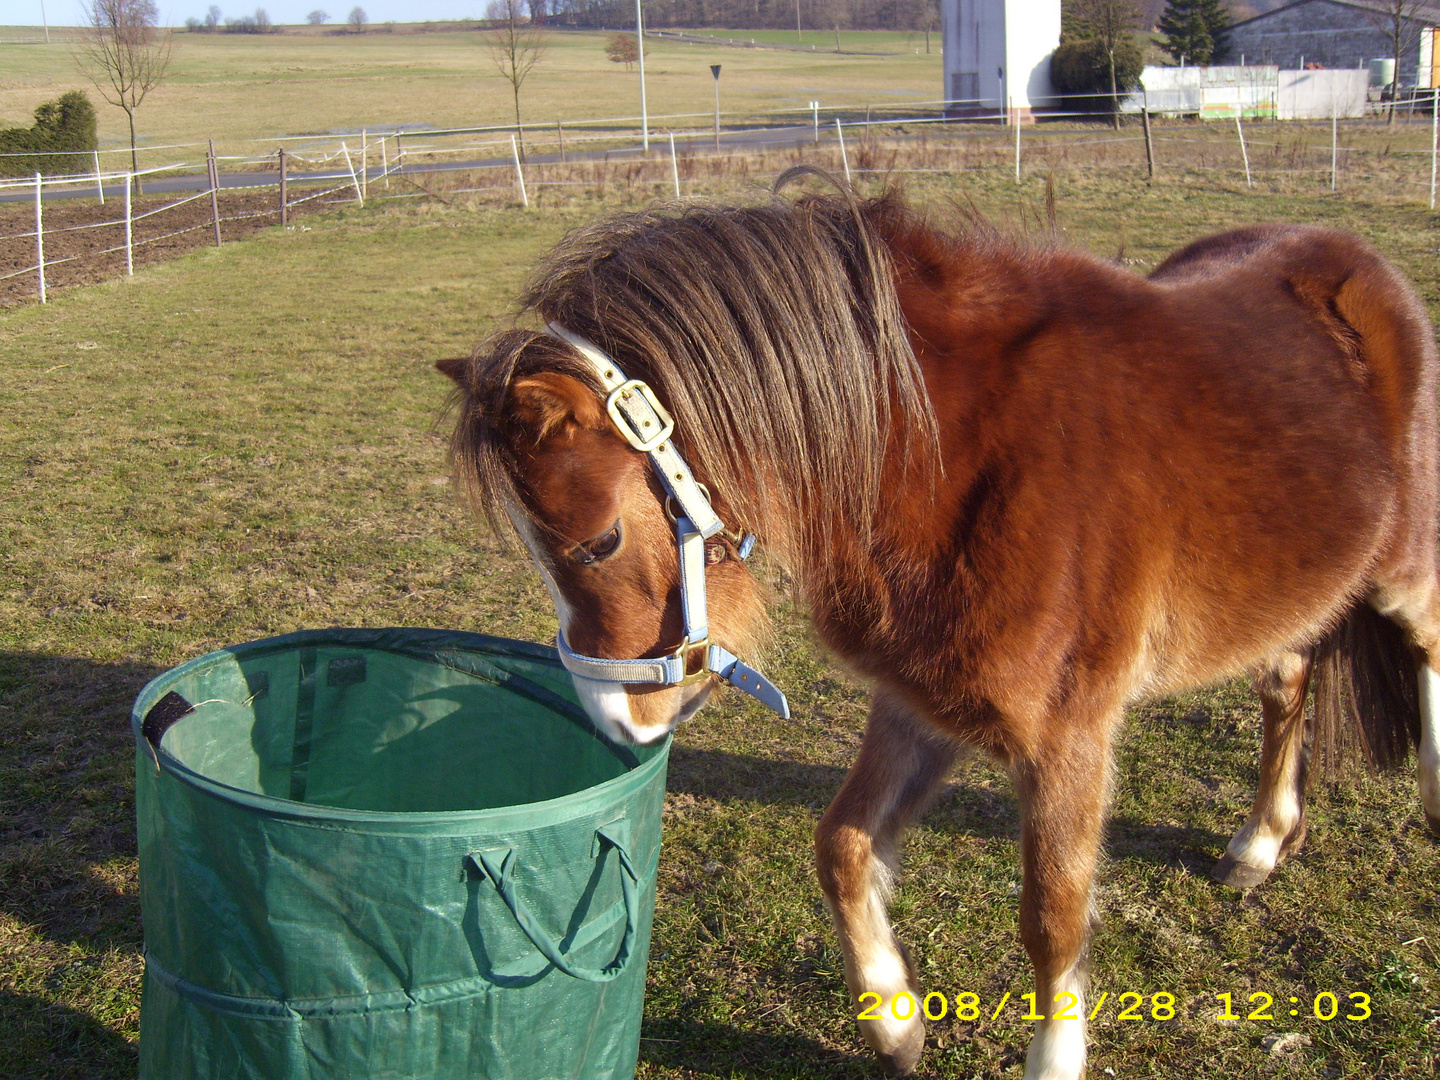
pixel 45 1041
pixel 67 796
pixel 725 1050
pixel 958 809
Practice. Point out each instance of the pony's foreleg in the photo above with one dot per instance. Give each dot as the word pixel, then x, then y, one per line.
pixel 902 761
pixel 1276 825
pixel 1062 804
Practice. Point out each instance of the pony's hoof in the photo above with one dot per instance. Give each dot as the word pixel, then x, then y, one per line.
pixel 1433 821
pixel 1238 875
pixel 901 1060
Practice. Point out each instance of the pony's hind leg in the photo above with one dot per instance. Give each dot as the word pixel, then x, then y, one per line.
pixel 1276 825
pixel 901 763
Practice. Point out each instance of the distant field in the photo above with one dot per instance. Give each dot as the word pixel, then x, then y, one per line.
pixel 233 87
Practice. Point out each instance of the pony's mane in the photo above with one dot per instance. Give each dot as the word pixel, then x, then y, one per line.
pixel 771 332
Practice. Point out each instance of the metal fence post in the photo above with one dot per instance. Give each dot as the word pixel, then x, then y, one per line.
pixel 364 164
pixel 40 235
pixel 674 166
pixel 284 195
pixel 354 180
pixel 519 173
pixel 99 183
pixel 129 247
pixel 1434 120
pixel 214 170
pixel 1245 154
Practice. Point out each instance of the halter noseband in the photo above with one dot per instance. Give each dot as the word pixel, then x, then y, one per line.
pixel 643 422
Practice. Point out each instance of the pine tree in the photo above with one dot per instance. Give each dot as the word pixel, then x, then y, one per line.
pixel 1194 30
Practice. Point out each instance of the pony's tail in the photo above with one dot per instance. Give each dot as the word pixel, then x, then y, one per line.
pixel 1367 694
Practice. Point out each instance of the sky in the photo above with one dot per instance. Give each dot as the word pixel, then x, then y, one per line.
pixel 175 12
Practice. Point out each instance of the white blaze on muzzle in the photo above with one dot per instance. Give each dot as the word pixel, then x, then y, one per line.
pixel 644 423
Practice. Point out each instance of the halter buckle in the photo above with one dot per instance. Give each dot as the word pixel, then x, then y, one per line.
pixel 684 653
pixel 642 441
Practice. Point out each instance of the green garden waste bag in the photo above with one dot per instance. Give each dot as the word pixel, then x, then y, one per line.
pixel 378 854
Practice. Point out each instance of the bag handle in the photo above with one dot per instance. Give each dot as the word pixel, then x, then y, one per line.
pixel 498 864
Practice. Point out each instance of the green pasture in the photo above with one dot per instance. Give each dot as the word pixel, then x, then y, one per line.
pixel 248 441
pixel 235 87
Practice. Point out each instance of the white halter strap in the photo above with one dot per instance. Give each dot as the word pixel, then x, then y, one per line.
pixel 645 425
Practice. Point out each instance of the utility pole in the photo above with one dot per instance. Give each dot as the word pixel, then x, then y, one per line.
pixel 798 39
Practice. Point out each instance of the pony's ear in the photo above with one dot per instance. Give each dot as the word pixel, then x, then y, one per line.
pixel 454 367
pixel 549 400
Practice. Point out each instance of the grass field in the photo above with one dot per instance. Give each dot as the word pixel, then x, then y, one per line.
pixel 233 87
pixel 245 441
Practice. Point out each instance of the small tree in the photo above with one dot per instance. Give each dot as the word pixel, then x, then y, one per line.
pixel 124 55
pixel 318 17
pixel 1103 34
pixel 1195 30
pixel 622 49
pixel 263 24
pixel 1400 21
pixel 212 17
pixel 357 19
pixel 516 45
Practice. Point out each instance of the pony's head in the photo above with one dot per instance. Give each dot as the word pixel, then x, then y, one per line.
pixel 772 335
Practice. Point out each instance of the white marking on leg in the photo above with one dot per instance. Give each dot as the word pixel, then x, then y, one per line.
pixel 1260 839
pixel 1057 1052
pixel 1429 764
pixel 876 967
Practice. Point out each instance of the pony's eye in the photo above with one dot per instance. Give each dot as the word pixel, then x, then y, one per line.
pixel 601 547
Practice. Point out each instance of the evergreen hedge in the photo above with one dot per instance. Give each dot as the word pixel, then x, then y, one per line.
pixel 61 141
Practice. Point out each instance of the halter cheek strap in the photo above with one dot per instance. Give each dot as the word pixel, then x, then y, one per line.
pixel 645 425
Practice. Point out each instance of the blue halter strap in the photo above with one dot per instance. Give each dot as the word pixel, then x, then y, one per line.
pixel 644 423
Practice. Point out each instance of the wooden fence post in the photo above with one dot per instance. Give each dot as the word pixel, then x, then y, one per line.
pixel 844 157
pixel 1149 143
pixel 99 183
pixel 674 166
pixel 40 235
pixel 560 134
pixel 284 195
pixel 214 184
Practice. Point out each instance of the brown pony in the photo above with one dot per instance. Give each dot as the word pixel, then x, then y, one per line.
pixel 1020 488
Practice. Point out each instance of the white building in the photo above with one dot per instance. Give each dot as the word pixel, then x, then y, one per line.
pixel 997 54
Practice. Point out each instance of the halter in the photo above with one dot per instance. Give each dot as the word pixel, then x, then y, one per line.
pixel 643 422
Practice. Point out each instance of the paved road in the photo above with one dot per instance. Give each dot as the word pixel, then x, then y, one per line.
pixel 797 135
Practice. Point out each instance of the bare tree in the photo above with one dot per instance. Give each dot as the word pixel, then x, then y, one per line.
pixel 1401 21
pixel 318 17
pixel 357 19
pixel 124 55
pixel 516 45
pixel 1111 23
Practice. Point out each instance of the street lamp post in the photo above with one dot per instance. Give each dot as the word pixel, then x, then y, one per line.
pixel 644 114
pixel 715 70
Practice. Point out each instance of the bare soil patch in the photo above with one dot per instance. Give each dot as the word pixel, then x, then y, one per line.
pixel 84 241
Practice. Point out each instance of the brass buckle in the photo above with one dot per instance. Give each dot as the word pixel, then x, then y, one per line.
pixel 642 441
pixel 684 652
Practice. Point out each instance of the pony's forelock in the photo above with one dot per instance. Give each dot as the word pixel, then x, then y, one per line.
pixel 772 333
